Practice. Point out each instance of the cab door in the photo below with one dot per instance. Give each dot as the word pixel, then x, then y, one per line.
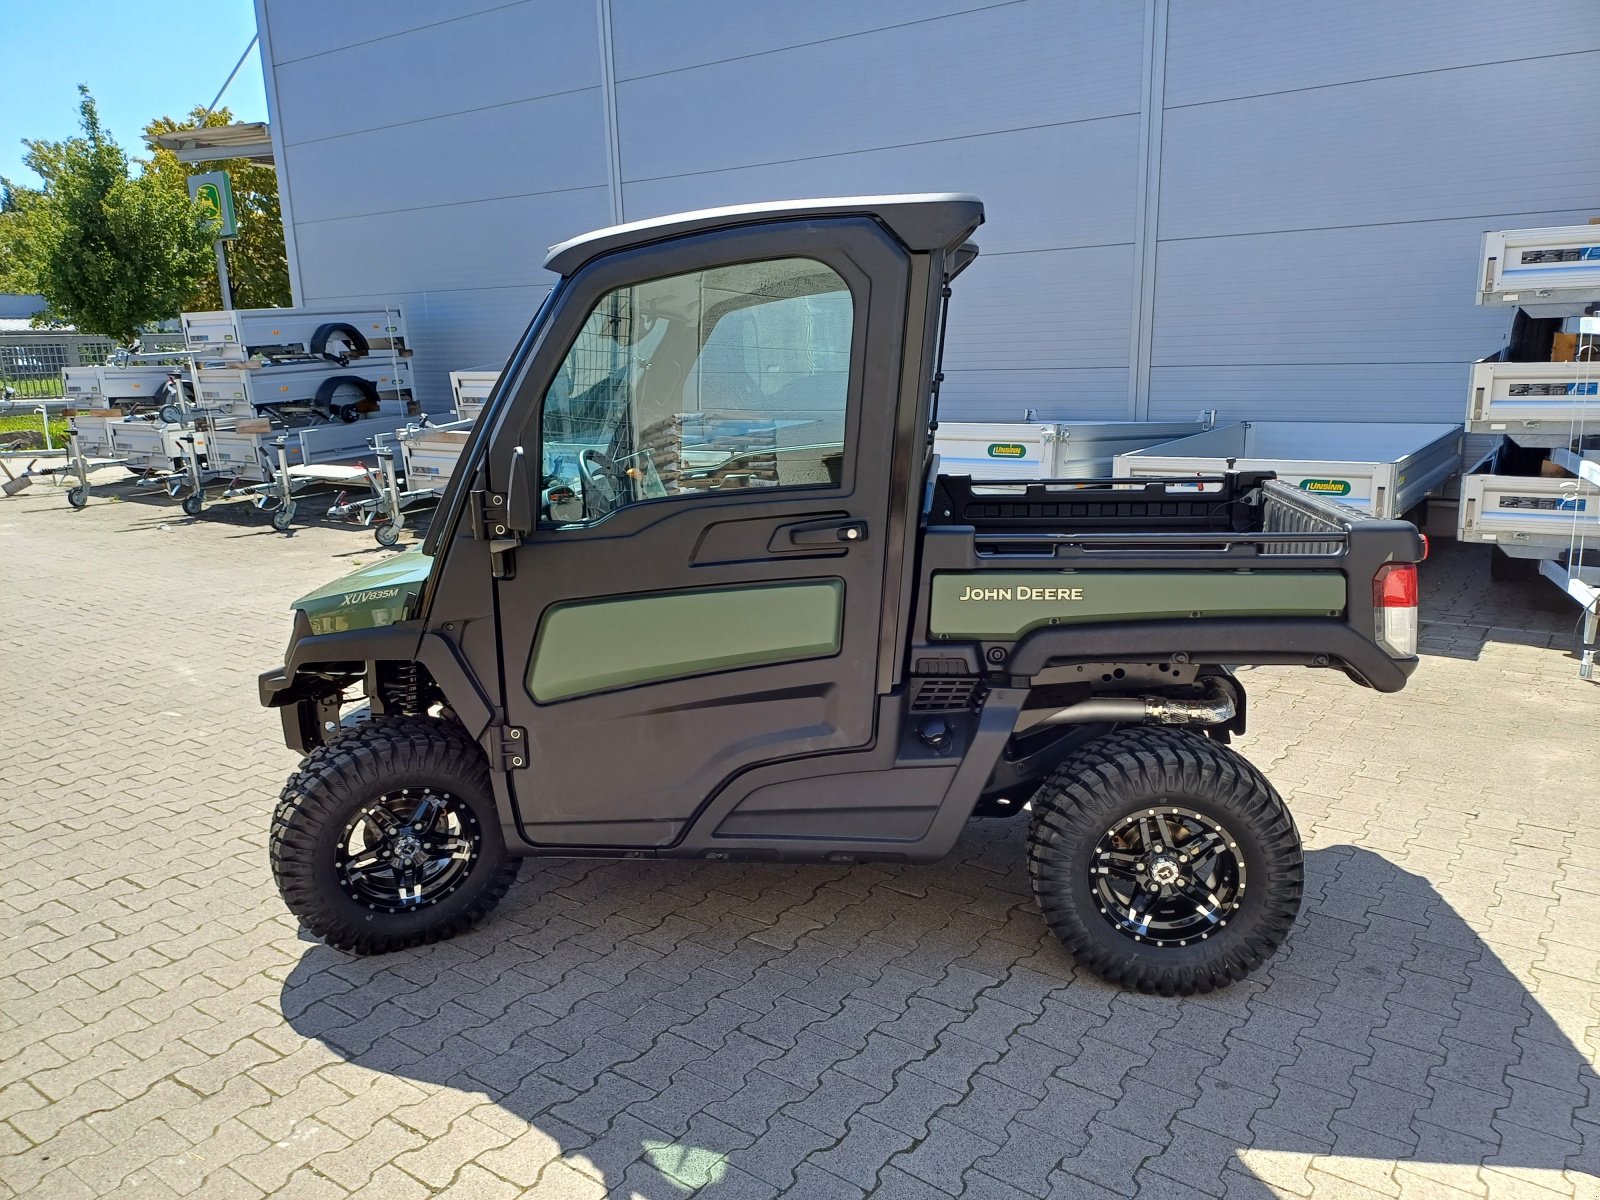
pixel 705 592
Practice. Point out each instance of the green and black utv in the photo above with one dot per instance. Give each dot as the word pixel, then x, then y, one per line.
pixel 699 590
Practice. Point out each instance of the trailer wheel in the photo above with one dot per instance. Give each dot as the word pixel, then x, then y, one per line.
pixel 387 534
pixel 364 393
pixel 193 504
pixel 1164 862
pixel 283 518
pixel 355 343
pixel 1505 569
pixel 78 497
pixel 388 838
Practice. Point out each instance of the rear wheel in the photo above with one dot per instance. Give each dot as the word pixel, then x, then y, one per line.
pixel 388 838
pixel 1164 862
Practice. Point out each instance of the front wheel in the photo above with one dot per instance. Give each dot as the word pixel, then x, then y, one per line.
pixel 387 534
pixel 78 497
pixel 283 518
pixel 387 838
pixel 1164 862
pixel 193 504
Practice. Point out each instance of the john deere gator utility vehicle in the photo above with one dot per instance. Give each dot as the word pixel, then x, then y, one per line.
pixel 698 590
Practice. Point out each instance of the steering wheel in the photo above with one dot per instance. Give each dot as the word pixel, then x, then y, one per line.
pixel 602 481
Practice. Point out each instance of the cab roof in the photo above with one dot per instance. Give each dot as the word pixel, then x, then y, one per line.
pixel 923 222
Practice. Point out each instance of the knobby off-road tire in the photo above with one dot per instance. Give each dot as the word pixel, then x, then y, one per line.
pixel 337 798
pixel 1202 795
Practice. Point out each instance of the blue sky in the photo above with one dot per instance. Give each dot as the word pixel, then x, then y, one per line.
pixel 140 61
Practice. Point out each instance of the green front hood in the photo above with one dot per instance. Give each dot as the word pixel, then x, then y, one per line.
pixel 377 595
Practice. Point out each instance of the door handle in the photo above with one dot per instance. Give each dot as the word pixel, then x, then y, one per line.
pixel 828 534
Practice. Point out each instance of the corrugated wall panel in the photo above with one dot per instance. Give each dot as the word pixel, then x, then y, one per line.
pixel 468 65
pixel 1085 394
pixel 916 83
pixel 651 37
pixel 1064 185
pixel 1333 392
pixel 499 243
pixel 1217 50
pixel 1378 294
pixel 559 149
pixel 302 28
pixel 1424 148
pixel 1046 309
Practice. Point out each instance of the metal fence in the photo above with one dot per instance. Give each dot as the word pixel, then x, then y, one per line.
pixel 31 362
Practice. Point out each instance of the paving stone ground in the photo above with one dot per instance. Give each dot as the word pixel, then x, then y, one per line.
pixel 659 1030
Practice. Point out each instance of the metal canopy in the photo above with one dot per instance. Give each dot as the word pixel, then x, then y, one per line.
pixel 251 139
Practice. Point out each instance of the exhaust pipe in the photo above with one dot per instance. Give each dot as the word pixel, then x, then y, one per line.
pixel 1215 707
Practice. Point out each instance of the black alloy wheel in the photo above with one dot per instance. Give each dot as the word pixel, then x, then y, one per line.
pixel 407 850
pixel 1167 876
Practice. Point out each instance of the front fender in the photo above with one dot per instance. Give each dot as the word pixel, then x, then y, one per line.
pixel 299 687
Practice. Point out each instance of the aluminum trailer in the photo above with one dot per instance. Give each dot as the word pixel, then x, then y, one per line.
pixel 1540 404
pixel 1385 470
pixel 338 334
pixel 286 461
pixel 81 386
pixel 1554 520
pixel 1529 516
pixel 324 386
pixel 427 455
pixel 470 389
pixel 1550 272
pixel 1048 450
pixel 137 385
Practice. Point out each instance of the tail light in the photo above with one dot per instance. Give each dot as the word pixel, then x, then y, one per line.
pixel 1394 605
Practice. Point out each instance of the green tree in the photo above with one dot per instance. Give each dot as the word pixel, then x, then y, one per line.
pixel 110 252
pixel 258 268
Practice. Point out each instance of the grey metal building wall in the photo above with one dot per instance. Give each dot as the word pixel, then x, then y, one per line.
pixel 1267 208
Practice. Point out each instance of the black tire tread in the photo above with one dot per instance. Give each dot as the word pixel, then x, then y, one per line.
pixel 1076 803
pixel 381 747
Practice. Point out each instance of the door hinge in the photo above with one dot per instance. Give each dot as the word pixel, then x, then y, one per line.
pixel 490 524
pixel 510 748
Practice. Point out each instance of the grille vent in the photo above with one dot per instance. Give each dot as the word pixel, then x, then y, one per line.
pixel 944 695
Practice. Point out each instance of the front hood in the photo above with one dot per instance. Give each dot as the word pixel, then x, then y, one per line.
pixel 381 594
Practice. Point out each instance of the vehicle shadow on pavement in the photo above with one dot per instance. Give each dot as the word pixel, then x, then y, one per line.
pixel 669 1028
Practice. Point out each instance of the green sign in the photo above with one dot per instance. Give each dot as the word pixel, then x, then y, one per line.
pixel 213 193
pixel 1326 487
pixel 1007 450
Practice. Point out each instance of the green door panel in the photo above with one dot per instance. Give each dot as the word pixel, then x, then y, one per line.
pixel 588 646
pixel 1000 606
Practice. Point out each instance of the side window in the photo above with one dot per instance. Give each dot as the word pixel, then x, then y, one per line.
pixel 735 377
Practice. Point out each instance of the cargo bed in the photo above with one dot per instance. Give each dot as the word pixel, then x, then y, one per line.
pixel 1384 470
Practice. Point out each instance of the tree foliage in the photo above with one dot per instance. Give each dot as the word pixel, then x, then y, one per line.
pixel 112 251
pixel 258 269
